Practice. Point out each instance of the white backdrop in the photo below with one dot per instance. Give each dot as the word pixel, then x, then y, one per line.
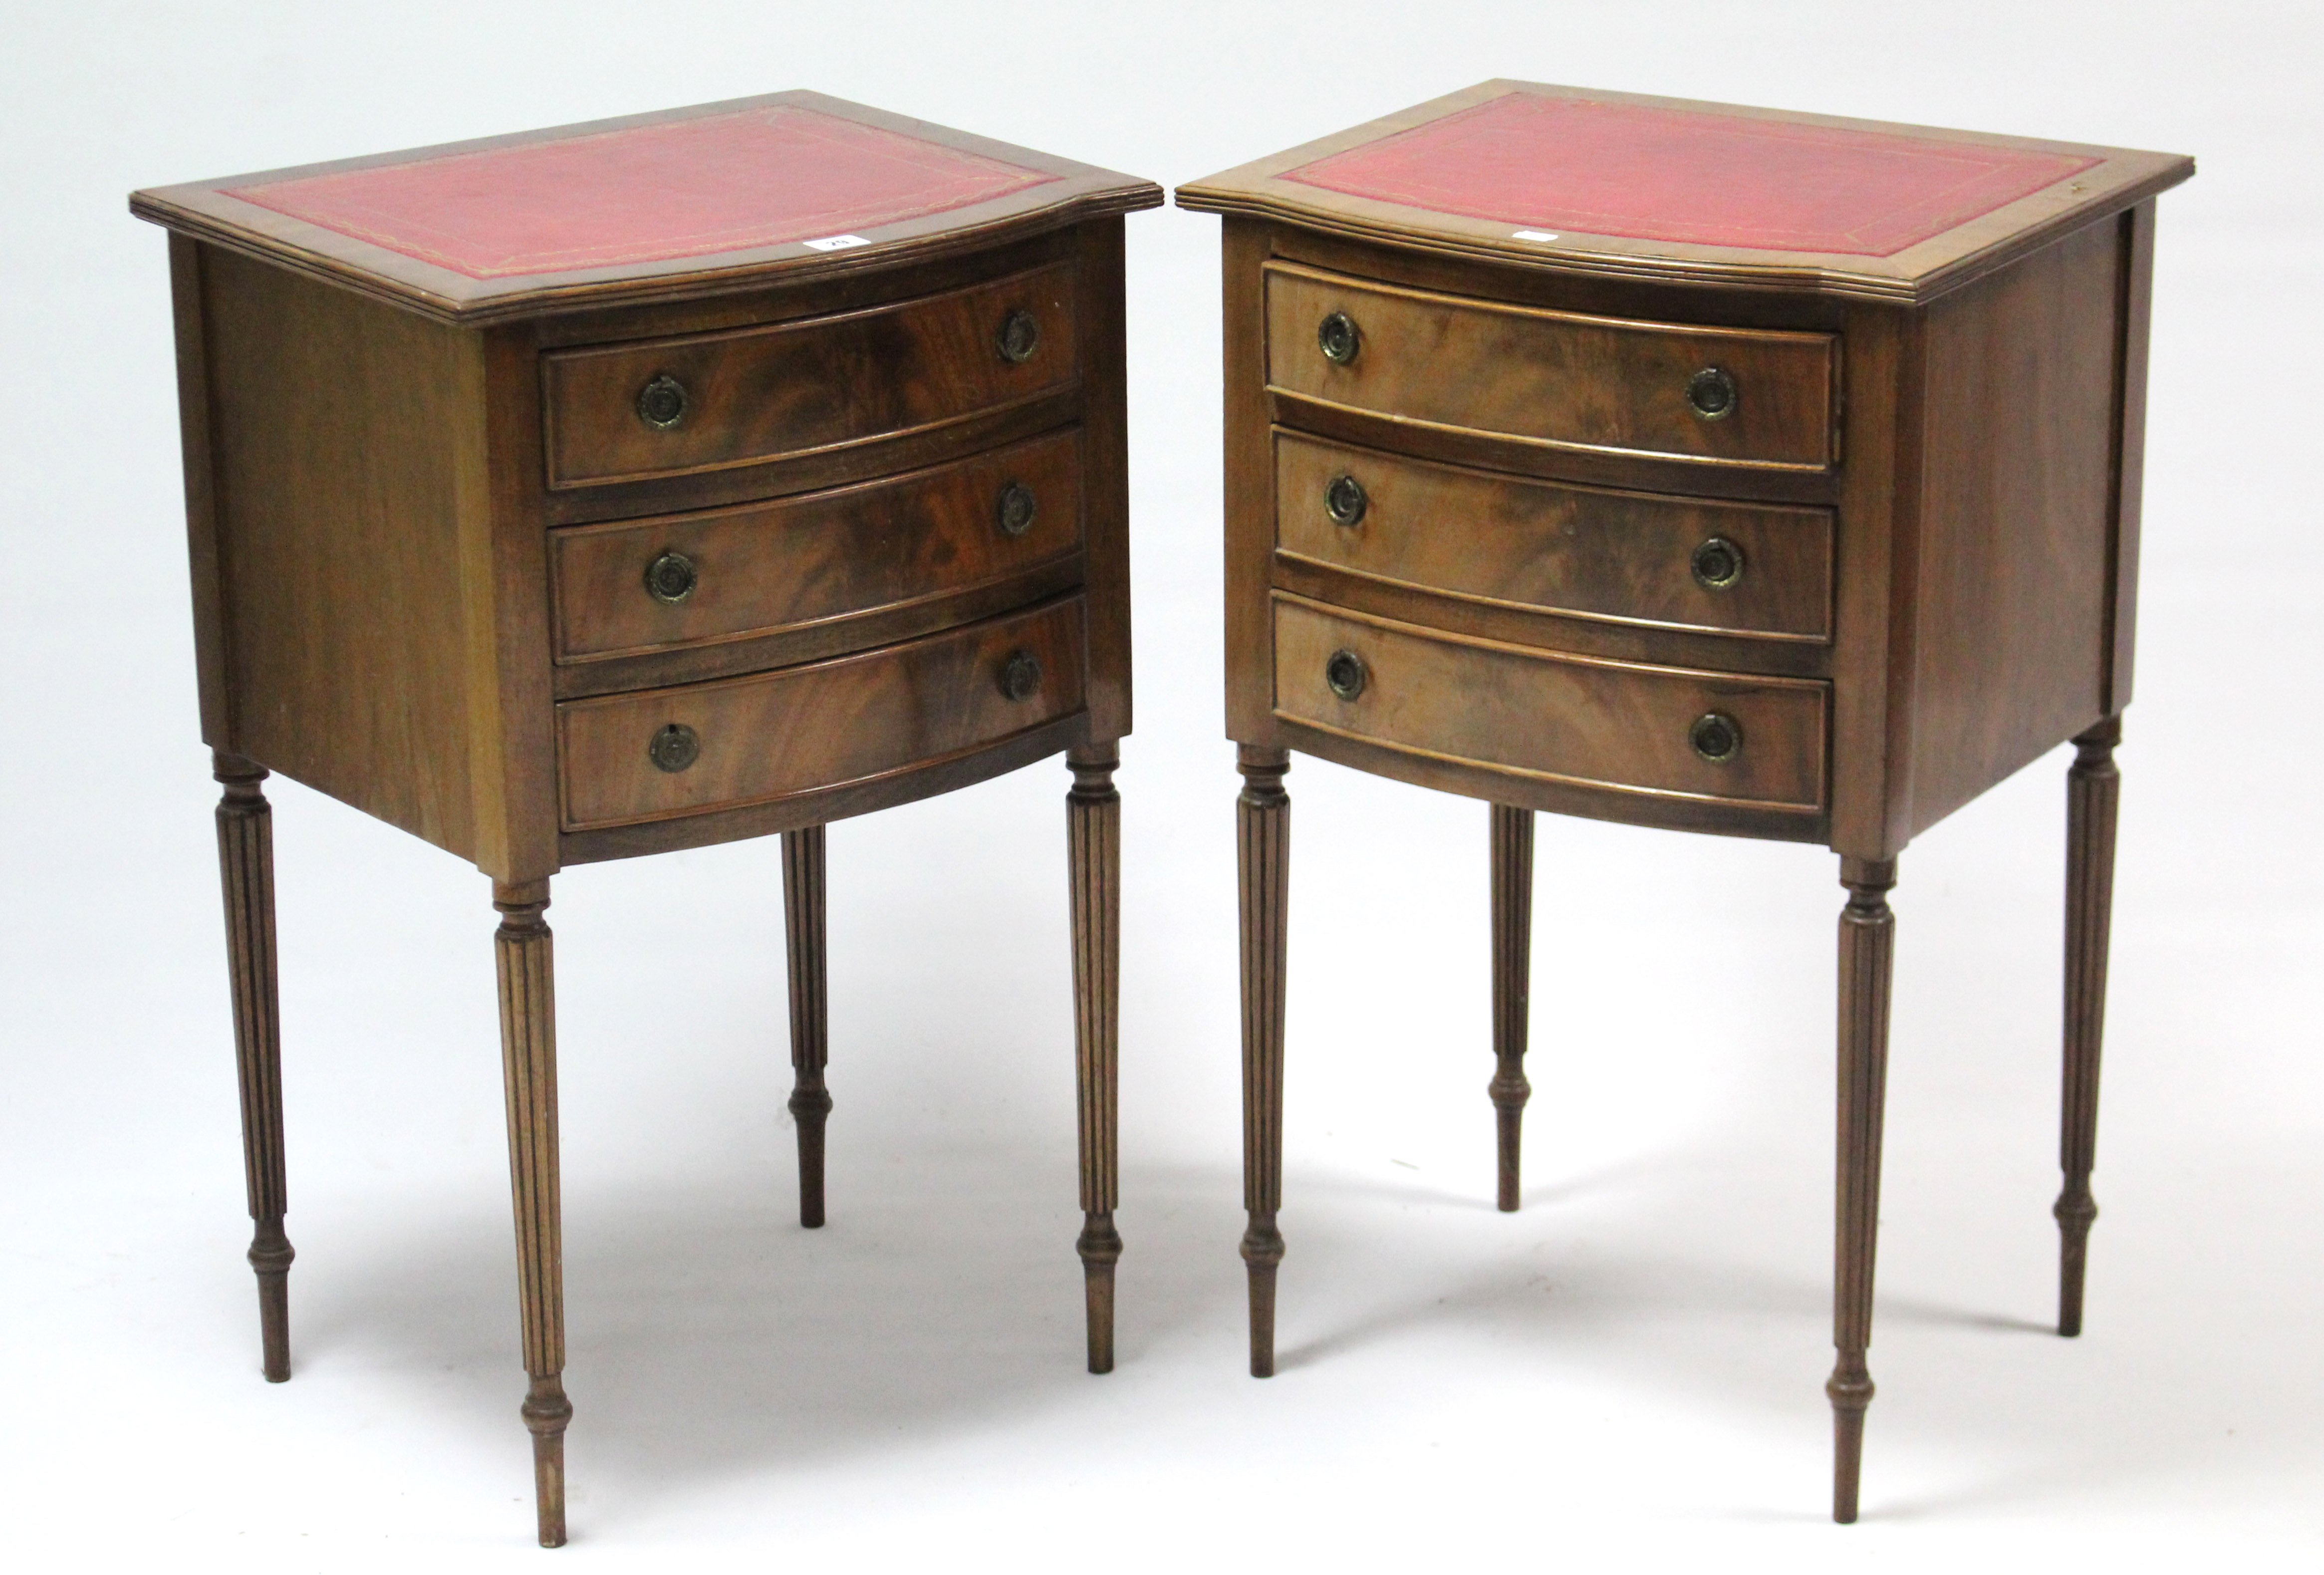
pixel 1627 1372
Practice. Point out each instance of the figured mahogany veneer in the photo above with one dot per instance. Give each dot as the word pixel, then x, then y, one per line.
pixel 763 393
pixel 1562 379
pixel 1518 543
pixel 1720 469
pixel 579 494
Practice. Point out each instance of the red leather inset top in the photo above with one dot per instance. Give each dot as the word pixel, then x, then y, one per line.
pixel 646 193
pixel 1688 176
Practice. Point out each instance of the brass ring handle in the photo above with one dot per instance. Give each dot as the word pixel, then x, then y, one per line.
pixel 1020 675
pixel 1716 564
pixel 1338 336
pixel 1716 736
pixel 661 403
pixel 1345 674
pixel 1020 336
pixel 1013 511
pixel 670 579
pixel 675 747
pixel 1711 394
pixel 1345 502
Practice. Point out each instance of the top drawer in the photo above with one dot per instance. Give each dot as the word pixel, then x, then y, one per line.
pixel 1749 396
pixel 712 401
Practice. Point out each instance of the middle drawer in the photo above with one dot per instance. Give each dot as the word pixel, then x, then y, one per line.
pixel 728 575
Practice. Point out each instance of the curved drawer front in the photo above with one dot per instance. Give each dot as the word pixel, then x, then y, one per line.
pixel 1607 384
pixel 710 402
pixel 746 740
pixel 1537 713
pixel 736 574
pixel 1586 552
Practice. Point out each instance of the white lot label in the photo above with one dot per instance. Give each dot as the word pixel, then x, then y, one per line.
pixel 836 242
pixel 1522 236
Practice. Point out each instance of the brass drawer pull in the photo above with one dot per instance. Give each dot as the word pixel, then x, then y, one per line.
pixel 1711 394
pixel 1345 673
pixel 1018 338
pixel 1338 336
pixel 1716 564
pixel 1716 736
pixel 670 579
pixel 1345 500
pixel 675 747
pixel 1020 675
pixel 661 403
pixel 1015 510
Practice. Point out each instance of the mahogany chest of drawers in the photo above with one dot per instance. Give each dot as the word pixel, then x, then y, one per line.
pixel 1693 467
pixel 645 484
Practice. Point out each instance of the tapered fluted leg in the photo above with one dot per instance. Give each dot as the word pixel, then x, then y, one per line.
pixel 528 1065
pixel 245 832
pixel 1512 984
pixel 2093 789
pixel 1867 936
pixel 1263 877
pixel 1094 861
pixel 803 930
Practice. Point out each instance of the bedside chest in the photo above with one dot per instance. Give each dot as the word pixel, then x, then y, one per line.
pixel 645 484
pixel 1693 467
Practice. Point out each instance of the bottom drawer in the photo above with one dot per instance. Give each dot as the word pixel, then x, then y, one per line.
pixel 1670 731
pixel 623 759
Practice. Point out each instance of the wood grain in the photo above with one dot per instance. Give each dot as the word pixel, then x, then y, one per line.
pixel 845 720
pixel 1563 380
pixel 763 393
pixel 1589 553
pixel 245 836
pixel 2093 792
pixel 1543 715
pixel 523 950
pixel 1263 880
pixel 828 562
pixel 1093 877
pixel 804 951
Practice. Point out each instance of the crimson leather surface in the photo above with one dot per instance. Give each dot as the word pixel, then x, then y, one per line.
pixel 1688 176
pixel 646 193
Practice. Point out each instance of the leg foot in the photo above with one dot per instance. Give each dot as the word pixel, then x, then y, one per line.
pixel 810 997
pixel 245 835
pixel 1263 868
pixel 1868 930
pixel 2093 790
pixel 1512 984
pixel 1093 868
pixel 521 948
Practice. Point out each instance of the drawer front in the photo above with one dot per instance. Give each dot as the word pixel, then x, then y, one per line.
pixel 1585 552
pixel 666 753
pixel 736 573
pixel 711 401
pixel 1537 713
pixel 1559 378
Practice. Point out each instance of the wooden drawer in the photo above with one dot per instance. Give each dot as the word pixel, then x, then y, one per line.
pixel 1537 713
pixel 850 720
pixel 823 383
pixel 1585 552
pixel 1561 378
pixel 819 559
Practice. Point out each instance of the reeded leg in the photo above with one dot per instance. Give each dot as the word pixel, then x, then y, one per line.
pixel 1263 872
pixel 2093 789
pixel 245 832
pixel 1094 861
pixel 522 947
pixel 803 930
pixel 1867 938
pixel 1512 983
